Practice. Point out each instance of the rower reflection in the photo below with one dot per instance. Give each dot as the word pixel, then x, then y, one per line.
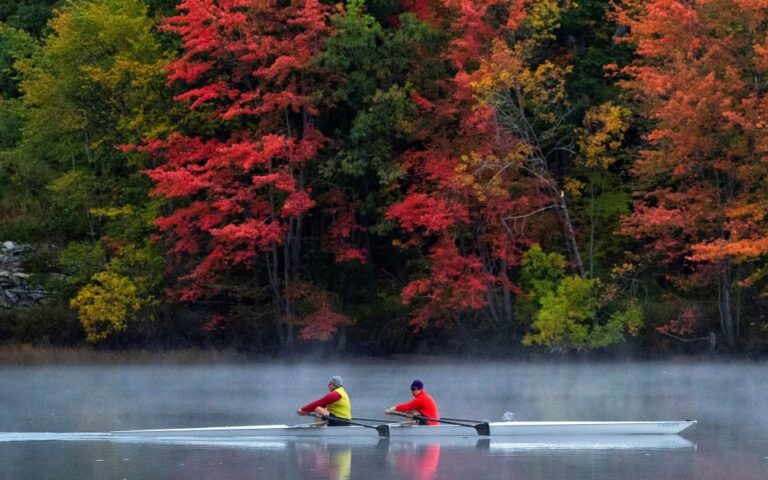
pixel 404 460
pixel 326 463
pixel 418 462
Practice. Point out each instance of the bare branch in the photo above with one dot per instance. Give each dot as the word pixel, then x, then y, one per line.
pixel 522 218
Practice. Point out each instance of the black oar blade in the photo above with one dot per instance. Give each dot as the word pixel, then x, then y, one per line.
pixel 383 430
pixel 483 428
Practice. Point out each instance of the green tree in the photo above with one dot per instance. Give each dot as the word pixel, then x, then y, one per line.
pixel 30 16
pixel 573 312
pixel 96 82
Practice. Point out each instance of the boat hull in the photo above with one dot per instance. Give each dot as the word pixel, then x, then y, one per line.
pixel 497 429
pixel 494 444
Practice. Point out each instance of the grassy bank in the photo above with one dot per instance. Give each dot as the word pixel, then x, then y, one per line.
pixel 28 354
pixel 34 355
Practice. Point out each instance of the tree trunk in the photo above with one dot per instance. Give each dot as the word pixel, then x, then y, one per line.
pixel 511 115
pixel 726 310
pixel 508 316
pixel 341 345
pixel 287 281
pixel 274 284
pixel 570 237
pixel 564 216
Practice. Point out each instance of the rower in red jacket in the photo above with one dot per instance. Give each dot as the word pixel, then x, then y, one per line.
pixel 422 404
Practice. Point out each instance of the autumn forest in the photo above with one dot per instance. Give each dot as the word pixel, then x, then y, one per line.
pixel 387 176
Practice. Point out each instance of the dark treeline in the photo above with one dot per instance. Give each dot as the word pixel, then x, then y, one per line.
pixel 387 176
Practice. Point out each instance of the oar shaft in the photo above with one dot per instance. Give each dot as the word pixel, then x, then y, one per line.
pixel 482 428
pixel 382 429
pixel 422 417
pixel 448 419
pixel 358 419
pixel 461 420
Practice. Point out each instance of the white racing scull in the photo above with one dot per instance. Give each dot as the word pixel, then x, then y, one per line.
pixel 497 429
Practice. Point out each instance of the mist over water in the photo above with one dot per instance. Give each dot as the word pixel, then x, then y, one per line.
pixel 62 410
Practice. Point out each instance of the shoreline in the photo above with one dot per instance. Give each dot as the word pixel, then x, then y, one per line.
pixel 26 354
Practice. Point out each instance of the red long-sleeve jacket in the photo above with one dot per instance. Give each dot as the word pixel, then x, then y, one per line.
pixel 422 403
pixel 323 402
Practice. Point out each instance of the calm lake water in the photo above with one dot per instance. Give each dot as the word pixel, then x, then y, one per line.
pixel 51 418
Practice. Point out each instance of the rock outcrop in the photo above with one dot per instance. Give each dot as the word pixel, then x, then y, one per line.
pixel 15 290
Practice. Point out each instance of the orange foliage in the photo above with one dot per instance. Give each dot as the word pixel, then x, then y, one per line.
pixel 700 77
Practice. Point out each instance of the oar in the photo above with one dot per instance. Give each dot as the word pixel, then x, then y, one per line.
pixel 378 420
pixel 382 429
pixel 462 420
pixel 482 428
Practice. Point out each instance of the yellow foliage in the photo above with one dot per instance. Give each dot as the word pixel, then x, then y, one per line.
pixel 543 17
pixel 500 72
pixel 573 187
pixel 603 134
pixel 105 305
pixel 624 269
pixel 505 76
pixel 113 212
pixel 484 173
pixel 545 86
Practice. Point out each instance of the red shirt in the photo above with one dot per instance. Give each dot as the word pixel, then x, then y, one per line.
pixel 323 402
pixel 422 403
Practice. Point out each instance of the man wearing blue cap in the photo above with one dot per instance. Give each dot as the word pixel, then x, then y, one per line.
pixel 422 405
pixel 333 407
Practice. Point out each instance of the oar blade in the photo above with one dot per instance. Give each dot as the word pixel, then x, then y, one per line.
pixel 483 429
pixel 383 430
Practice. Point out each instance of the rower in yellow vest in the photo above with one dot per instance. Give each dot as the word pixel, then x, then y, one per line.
pixel 334 407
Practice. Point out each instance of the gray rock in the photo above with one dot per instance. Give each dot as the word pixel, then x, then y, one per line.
pixel 11 296
pixel 14 288
pixel 37 295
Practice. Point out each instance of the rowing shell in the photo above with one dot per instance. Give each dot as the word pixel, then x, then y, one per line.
pixel 497 429
pixel 494 444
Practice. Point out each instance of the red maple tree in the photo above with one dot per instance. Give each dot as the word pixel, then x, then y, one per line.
pixel 444 210
pixel 238 190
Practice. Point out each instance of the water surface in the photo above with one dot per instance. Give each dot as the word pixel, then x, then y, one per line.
pixel 52 420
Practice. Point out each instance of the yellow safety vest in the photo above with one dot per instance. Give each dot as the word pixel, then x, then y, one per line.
pixel 341 408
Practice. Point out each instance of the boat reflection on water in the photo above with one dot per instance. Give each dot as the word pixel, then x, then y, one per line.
pixel 339 458
pixel 395 445
pixel 415 458
pixel 593 442
pixel 500 444
pixel 421 459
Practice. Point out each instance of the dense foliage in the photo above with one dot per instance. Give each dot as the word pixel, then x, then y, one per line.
pixel 388 175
